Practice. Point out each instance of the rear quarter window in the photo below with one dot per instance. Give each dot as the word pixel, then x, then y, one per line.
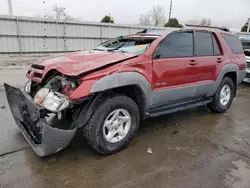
pixel 234 43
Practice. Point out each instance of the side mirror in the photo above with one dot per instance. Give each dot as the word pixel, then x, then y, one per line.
pixel 156 56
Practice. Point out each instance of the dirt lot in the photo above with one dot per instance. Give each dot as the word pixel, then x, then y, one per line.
pixel 190 149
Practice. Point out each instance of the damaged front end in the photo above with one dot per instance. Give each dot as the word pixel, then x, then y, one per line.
pixel 42 118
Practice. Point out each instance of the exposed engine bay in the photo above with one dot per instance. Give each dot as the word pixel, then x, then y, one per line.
pixel 53 96
pixel 45 114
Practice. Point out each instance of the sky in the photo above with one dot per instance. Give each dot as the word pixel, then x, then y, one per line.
pixel 230 13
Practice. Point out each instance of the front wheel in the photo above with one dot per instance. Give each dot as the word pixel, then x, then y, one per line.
pixel 113 124
pixel 223 97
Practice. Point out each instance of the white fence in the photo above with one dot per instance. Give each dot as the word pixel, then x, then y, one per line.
pixel 34 36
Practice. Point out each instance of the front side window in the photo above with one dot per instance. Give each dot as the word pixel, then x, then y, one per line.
pixel 177 45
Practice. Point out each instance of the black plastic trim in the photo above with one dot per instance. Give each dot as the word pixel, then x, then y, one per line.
pixel 177 106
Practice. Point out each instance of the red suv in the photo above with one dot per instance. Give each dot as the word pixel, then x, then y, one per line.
pixel 105 92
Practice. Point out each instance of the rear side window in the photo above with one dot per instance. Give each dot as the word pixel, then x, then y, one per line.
pixel 204 43
pixel 177 45
pixel 234 43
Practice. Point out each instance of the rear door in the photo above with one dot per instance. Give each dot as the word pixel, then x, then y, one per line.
pixel 174 68
pixel 208 57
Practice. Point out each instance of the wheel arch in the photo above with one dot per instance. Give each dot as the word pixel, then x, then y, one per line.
pixel 233 76
pixel 229 70
pixel 124 83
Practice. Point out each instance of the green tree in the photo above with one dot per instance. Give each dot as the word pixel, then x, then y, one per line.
pixel 107 19
pixel 173 22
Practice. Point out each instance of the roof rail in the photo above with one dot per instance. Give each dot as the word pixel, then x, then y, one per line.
pixel 221 28
pixel 154 32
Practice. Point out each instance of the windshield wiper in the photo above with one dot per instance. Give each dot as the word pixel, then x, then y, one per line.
pixel 99 49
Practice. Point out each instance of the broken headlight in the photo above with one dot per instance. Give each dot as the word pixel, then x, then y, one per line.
pixel 51 100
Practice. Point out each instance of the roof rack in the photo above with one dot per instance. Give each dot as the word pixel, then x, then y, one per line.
pixel 155 32
pixel 221 28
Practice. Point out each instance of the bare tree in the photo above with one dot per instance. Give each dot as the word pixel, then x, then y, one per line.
pixel 156 16
pixel 59 13
pixel 145 19
pixel 206 22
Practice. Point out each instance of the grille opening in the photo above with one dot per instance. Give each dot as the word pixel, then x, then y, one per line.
pixel 40 67
pixel 38 75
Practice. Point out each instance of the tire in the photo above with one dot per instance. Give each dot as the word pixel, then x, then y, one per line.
pixel 217 105
pixel 95 130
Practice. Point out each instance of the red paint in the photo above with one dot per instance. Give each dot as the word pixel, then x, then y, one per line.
pixel 73 64
pixel 206 68
pixel 82 90
pixel 173 72
pixel 161 73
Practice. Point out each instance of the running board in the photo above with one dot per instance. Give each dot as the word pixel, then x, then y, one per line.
pixel 167 109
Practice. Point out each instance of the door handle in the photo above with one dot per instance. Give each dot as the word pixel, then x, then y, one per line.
pixel 219 60
pixel 193 63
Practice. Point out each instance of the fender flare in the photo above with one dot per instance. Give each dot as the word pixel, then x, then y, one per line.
pixel 230 67
pixel 124 79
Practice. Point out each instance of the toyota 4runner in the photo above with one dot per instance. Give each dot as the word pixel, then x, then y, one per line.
pixel 105 92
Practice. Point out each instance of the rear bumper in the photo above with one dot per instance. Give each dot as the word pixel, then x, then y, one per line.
pixel 241 76
pixel 38 130
pixel 247 78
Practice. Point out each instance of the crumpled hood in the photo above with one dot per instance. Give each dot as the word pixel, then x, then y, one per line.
pixel 73 64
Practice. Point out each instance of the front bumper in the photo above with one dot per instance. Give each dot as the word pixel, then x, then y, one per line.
pixel 40 133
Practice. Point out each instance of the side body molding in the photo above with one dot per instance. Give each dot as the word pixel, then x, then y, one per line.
pixel 230 67
pixel 124 79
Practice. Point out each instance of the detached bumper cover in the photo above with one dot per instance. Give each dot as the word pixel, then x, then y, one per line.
pixel 30 118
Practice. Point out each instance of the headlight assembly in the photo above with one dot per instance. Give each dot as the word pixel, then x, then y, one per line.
pixel 51 100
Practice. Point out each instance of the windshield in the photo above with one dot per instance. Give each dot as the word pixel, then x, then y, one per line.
pixel 136 45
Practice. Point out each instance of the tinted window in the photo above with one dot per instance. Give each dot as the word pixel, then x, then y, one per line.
pixel 177 45
pixel 234 43
pixel 216 46
pixel 204 43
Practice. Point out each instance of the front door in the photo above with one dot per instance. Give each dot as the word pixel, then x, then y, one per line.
pixel 174 69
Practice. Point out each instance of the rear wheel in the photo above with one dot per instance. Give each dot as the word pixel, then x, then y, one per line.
pixel 223 97
pixel 113 124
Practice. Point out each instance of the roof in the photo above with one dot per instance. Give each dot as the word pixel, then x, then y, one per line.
pixel 161 32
